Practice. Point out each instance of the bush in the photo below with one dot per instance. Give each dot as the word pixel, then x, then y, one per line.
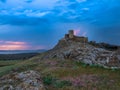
pixel 81 64
pixel 60 84
pixel 48 80
pixel 96 66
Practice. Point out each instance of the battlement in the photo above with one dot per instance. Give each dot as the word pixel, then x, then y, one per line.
pixel 71 36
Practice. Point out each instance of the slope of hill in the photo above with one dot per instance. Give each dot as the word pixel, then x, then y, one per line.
pixel 70 65
pixel 84 52
pixel 56 74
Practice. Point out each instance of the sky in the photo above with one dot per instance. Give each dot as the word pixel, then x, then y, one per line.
pixel 39 24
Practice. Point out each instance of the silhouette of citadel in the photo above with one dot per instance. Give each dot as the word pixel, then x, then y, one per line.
pixel 71 36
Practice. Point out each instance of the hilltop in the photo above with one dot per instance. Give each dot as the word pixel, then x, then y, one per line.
pixel 80 49
pixel 73 64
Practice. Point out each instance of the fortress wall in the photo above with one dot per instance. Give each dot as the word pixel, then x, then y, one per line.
pixel 81 39
pixel 71 36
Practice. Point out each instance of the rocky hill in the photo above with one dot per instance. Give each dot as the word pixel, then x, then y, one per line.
pixel 61 69
pixel 69 48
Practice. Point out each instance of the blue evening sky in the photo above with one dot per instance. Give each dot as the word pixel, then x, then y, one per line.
pixel 38 24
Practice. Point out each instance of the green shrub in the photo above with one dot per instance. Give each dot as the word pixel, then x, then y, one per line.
pixel 81 64
pixel 96 66
pixel 48 80
pixel 60 84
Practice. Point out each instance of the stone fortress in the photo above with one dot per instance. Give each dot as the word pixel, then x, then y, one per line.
pixel 71 36
pixel 70 39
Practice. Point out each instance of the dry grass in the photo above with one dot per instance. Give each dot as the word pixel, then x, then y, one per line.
pixel 107 79
pixel 70 70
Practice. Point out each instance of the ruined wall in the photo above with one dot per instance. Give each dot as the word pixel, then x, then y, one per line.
pixel 71 34
pixel 66 36
pixel 81 39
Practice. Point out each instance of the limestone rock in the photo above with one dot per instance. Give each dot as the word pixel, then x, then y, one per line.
pixel 28 80
pixel 84 52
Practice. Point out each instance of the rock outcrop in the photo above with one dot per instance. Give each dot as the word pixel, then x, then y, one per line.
pixel 84 52
pixel 28 80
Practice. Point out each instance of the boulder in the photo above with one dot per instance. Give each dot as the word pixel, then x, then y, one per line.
pixel 28 80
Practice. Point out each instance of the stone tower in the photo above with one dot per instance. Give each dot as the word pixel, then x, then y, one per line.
pixel 71 33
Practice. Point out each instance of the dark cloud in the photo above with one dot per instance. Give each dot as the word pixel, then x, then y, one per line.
pixel 29 1
pixel 3 1
pixel 107 34
pixel 43 26
pixel 22 20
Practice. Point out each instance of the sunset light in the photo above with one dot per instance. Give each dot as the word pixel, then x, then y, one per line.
pixel 12 45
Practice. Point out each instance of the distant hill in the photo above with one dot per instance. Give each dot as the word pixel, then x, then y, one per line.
pixel 21 51
pixel 19 54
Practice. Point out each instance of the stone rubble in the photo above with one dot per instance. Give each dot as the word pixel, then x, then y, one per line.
pixel 28 80
pixel 84 52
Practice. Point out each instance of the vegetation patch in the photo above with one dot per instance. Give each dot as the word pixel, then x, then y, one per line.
pixel 17 66
pixel 62 83
pixel 48 79
pixel 67 74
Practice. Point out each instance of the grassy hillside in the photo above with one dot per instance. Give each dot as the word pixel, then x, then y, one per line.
pixel 21 56
pixel 66 74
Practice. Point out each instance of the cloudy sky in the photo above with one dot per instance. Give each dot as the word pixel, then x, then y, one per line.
pixel 39 24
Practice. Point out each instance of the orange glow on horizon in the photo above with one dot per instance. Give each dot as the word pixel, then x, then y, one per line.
pixel 16 43
pixel 13 45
